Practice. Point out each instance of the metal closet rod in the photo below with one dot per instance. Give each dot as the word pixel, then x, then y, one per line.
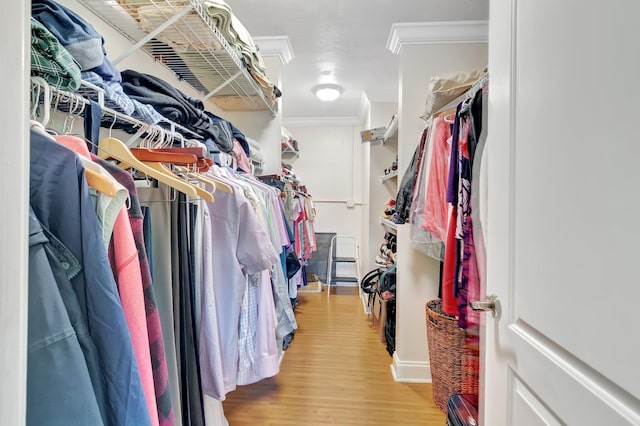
pixel 71 97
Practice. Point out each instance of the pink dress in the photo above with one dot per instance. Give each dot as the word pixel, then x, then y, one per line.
pixel 126 269
pixel 436 208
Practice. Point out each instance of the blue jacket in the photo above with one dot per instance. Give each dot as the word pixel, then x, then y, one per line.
pixel 59 390
pixel 60 199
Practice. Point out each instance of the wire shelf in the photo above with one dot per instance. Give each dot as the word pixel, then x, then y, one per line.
pixel 180 35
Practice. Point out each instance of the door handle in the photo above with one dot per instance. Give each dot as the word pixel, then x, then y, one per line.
pixel 492 304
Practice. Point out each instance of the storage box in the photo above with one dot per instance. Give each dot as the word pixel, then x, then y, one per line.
pixel 379 316
pixel 373 134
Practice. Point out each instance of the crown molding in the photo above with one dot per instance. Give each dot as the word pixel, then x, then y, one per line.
pixel 279 46
pixel 321 121
pixel 453 32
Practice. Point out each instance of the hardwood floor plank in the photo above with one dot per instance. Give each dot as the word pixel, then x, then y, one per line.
pixel 336 372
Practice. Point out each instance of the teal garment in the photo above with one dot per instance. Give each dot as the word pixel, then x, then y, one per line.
pixel 107 209
pixel 51 61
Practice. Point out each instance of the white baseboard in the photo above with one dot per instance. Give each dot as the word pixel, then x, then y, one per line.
pixel 410 371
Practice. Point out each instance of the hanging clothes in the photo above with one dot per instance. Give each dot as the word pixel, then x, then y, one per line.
pixel 468 280
pixel 158 201
pixel 185 327
pixel 436 208
pixel 154 328
pixel 126 270
pixel 244 249
pixel 69 215
pixel 450 268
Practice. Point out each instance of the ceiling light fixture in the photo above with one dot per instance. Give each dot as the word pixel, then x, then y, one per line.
pixel 328 92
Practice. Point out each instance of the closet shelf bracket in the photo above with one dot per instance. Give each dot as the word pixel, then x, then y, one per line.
pixel 169 22
pixel 224 83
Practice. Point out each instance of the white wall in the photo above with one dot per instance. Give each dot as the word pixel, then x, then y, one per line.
pixel 418 274
pixel 14 192
pixel 331 165
pixel 261 125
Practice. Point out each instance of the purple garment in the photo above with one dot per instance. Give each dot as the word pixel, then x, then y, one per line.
pixel 452 186
pixel 154 329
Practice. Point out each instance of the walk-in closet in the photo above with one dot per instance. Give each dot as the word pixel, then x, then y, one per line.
pixel 348 213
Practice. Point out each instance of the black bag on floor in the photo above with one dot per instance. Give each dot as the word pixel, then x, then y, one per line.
pixel 390 327
pixel 462 410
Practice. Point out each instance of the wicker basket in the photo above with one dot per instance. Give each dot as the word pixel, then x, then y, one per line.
pixel 454 366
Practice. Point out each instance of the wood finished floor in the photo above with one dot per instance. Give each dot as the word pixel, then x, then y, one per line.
pixel 335 373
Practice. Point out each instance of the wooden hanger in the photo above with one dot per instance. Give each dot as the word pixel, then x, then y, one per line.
pixel 96 180
pixel 114 148
pixel 202 163
pixel 201 192
pixel 211 180
pixel 157 156
pixel 197 151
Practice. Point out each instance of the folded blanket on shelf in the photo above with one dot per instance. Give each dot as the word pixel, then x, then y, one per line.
pixel 168 101
pixel 116 99
pixel 51 61
pixel 114 96
pixel 237 35
pixel 72 31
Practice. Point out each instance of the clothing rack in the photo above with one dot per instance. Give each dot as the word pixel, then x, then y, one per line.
pixel 479 84
pixel 75 103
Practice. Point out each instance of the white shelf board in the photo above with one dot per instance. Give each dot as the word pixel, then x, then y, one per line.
pixel 390 131
pixel 388 223
pixel 289 150
pixel 389 176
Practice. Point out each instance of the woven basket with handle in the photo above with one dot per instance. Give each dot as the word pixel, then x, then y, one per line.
pixel 454 365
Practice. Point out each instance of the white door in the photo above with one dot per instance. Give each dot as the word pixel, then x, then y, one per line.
pixel 563 214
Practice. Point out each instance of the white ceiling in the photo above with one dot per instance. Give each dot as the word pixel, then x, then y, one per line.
pixel 343 42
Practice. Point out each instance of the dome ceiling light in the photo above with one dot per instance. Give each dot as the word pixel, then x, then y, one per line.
pixel 328 92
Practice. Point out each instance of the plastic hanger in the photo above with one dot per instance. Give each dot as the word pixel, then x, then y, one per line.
pixel 94 179
pixel 46 104
pixel 447 115
pixel 211 180
pixel 200 192
pixel 113 148
pixel 97 177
